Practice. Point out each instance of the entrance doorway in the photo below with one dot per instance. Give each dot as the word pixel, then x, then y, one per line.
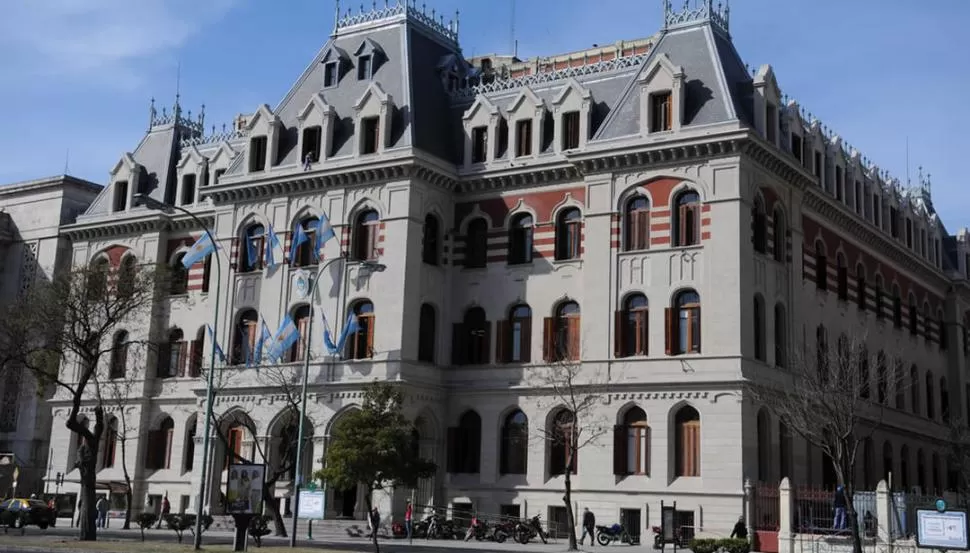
pixel 630 519
pixel 346 502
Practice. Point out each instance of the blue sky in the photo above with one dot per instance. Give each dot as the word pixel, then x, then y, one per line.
pixel 78 74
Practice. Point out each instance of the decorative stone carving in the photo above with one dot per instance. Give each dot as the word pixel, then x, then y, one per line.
pixel 682 266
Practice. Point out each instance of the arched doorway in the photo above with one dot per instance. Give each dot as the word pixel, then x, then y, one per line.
pixel 344 503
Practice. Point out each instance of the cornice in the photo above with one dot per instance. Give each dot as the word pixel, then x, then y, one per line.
pixel 151 221
pixel 641 155
pixel 519 177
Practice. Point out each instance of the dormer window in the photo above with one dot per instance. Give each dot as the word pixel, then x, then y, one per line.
pixel 121 196
pixel 365 67
pixel 370 135
pixel 188 189
pixel 312 139
pixel 331 74
pixel 570 130
pixel 479 144
pixel 257 153
pixel 796 147
pixel 218 175
pixel 523 138
pixel 771 122
pixel 454 83
pixel 661 112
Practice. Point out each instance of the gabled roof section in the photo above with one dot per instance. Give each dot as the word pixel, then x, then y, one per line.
pixel 127 161
pixel 224 150
pixel 660 61
pixel 368 47
pixel 373 89
pixel 190 153
pixel 572 86
pixel 481 102
pixel 526 94
pixel 316 102
pixel 766 75
pixel 334 53
pixel 262 113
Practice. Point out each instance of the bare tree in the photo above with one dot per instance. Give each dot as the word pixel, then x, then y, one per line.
pixel 71 331
pixel 959 458
pixel 834 398
pixel 576 393
pixel 117 394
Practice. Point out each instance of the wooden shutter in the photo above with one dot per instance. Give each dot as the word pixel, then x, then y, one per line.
pixel 618 338
pixel 371 323
pixel 526 340
pixel 690 443
pixel 669 106
pixel 619 450
pixel 643 229
pixel 195 361
pixel 151 449
pixel 573 333
pixel 696 335
pixel 670 332
pixel 548 339
pixel 458 353
pixel 168 449
pixel 183 358
pixel 452 450
pixel 301 325
pixel 643 332
pixel 502 341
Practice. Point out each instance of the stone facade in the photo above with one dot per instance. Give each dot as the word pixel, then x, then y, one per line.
pixel 504 201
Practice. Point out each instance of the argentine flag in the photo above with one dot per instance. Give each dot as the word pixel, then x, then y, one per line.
pixel 265 339
pixel 299 237
pixel 215 344
pixel 324 234
pixel 274 242
pixel 286 336
pixel 202 248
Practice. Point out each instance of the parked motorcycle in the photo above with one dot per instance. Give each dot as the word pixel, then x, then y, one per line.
pixel 659 541
pixel 606 535
pixel 502 530
pixel 525 531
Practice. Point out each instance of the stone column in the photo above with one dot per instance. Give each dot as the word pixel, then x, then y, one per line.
pixel 884 515
pixel 749 507
pixel 786 542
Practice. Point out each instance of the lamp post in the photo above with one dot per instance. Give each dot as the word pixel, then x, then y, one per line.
pixel 297 474
pixel 154 204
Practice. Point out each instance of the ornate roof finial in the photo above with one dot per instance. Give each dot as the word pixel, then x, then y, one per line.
pixel 151 114
pixel 457 21
pixel 336 14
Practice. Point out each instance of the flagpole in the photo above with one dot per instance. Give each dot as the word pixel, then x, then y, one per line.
pixel 298 472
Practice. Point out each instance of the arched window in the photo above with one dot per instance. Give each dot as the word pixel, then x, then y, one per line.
pixel 513 459
pixel 297 352
pixel 759 226
pixel 127 273
pixel 779 238
pixel 464 451
pixel 110 443
pixel 189 449
pixel 158 452
pixel 251 256
pixel 887 460
pixel 173 355
pixel 471 338
pixel 476 243
pixel 683 319
pixel 631 444
pixel 865 391
pixel 180 277
pixel 930 395
pixel 687 219
pixel 305 253
pixel 785 450
pixel 515 336
pixel 935 482
pixel 520 239
pixel 367 229
pixel 759 328
pixel 562 447
pixel 897 307
pixel 880 304
pixel 944 401
pixel 821 266
pixel 913 315
pixel 914 390
pixel 427 331
pixel 941 329
pixel 841 277
pixel 244 337
pixel 860 284
pixel 899 381
pixel 882 379
pixel 904 467
pixel 561 335
pixel 431 238
pixel 781 336
pixel 97 280
pixel 206 273
pixel 868 464
pixel 764 447
pixel 632 327
pixel 636 230
pixel 119 355
pixel 921 470
pixel 822 353
pixel 361 344
pixel 569 234
pixel 687 438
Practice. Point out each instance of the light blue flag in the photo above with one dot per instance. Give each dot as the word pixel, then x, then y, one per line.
pixel 324 234
pixel 299 237
pixel 265 338
pixel 352 327
pixel 202 248
pixel 328 337
pixel 251 255
pixel 286 336
pixel 215 344
pixel 274 242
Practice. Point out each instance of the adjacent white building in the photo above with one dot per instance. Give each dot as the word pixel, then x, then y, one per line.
pixel 651 208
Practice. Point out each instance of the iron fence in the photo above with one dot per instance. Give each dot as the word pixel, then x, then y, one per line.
pixel 814 512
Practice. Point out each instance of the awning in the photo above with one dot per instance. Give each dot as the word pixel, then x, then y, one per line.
pixel 112 486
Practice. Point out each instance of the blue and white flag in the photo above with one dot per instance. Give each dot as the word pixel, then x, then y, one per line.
pixel 274 242
pixel 215 344
pixel 299 237
pixel 202 248
pixel 247 348
pixel 324 234
pixel 328 337
pixel 286 336
pixel 351 327
pixel 252 257
pixel 265 338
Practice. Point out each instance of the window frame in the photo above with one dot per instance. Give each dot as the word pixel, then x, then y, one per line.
pixel 569 234
pixel 687 223
pixel 636 224
pixel 363 339
pixel 476 244
pixel 521 247
pixel 366 236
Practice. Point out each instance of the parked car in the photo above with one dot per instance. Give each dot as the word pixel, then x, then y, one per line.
pixel 19 512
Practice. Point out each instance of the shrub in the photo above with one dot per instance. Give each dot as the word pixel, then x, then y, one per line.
pixel 727 545
pixel 259 527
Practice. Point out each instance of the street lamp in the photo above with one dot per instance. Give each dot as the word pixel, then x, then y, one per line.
pixel 369 266
pixel 156 205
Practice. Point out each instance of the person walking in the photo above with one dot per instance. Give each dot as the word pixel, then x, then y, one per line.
pixel 166 509
pixel 408 514
pixel 740 530
pixel 375 522
pixel 838 503
pixel 589 527
pixel 102 507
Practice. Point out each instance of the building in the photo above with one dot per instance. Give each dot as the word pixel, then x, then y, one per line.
pixel 650 208
pixel 32 249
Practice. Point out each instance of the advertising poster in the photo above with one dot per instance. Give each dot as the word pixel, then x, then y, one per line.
pixel 244 489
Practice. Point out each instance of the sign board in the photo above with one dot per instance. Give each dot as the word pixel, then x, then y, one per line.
pixel 941 530
pixel 311 505
pixel 244 490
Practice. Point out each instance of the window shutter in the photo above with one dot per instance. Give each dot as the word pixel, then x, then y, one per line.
pixel 168 450
pixel 647 450
pixel 487 343
pixel 618 349
pixel 150 449
pixel 452 445
pixel 696 338
pixel 670 333
pixel 574 452
pixel 183 358
pixel 619 450
pixel 526 340
pixel 548 339
pixel 642 230
pixel 574 331
pixel 458 343
pixel 195 367
pixel 301 326
pixel 643 330
pixel 502 341
pixel 371 323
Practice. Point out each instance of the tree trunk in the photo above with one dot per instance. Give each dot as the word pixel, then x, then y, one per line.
pixel 568 500
pixel 268 500
pixel 853 518
pixel 128 493
pixel 87 465
pixel 377 527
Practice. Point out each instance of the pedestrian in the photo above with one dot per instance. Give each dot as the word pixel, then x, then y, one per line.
pixel 307 161
pixel 589 527
pixel 740 530
pixel 102 507
pixel 471 529
pixel 408 513
pixel 375 522
pixel 166 509
pixel 838 502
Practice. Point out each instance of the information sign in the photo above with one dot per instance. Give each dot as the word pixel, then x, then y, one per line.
pixel 311 505
pixel 941 530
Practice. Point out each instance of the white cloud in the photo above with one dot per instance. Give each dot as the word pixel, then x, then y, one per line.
pixel 78 38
